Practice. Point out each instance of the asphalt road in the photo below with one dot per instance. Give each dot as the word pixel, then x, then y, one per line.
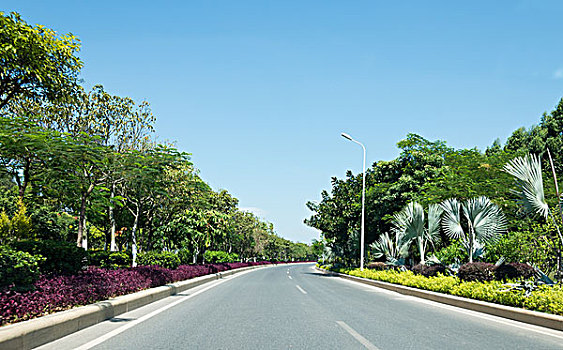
pixel 286 307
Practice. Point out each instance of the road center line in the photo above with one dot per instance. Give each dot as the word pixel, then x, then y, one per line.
pixel 357 335
pixel 117 331
pixel 290 277
pixel 301 289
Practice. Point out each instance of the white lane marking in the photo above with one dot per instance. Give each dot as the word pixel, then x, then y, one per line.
pixel 301 289
pixel 117 331
pixel 493 318
pixel 290 277
pixel 357 335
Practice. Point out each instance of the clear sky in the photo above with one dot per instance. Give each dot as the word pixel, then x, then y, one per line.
pixel 259 91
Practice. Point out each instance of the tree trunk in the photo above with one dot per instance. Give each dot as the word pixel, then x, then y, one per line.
pixel 81 220
pixel 133 236
pixel 113 245
pixel 421 250
pixel 82 217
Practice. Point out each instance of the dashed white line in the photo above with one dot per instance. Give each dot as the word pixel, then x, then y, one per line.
pixel 357 335
pixel 290 277
pixel 300 289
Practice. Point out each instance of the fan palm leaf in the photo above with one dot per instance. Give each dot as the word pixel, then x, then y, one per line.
pixel 485 218
pixel 434 217
pixel 451 220
pixel 409 222
pixel 528 174
pixel 485 222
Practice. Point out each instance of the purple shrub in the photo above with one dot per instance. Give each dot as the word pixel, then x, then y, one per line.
pixel 428 270
pixel 477 271
pixel 514 271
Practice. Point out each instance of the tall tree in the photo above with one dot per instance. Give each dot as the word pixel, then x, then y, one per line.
pixel 35 62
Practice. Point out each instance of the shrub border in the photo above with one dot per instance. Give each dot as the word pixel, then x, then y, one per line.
pixel 38 331
pixel 527 316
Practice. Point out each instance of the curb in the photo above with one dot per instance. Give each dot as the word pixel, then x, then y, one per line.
pixel 38 331
pixel 527 316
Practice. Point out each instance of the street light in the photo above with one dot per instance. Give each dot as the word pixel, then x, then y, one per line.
pixel 346 136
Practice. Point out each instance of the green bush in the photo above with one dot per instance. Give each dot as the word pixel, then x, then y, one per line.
pixel 524 246
pixel 16 227
pixel 185 256
pixel 18 268
pixel 56 226
pixel 452 253
pixel 60 257
pixel 109 260
pixel 164 259
pixel 219 256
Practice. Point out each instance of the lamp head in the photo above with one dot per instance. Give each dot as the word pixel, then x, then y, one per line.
pixel 346 136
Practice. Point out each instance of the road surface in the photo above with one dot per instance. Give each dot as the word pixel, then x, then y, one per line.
pixel 296 307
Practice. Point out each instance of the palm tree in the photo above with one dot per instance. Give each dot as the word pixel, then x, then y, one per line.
pixel 528 173
pixel 395 249
pixel 484 222
pixel 410 223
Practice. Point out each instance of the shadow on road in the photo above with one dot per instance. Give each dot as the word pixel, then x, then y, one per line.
pixel 121 319
pixel 320 274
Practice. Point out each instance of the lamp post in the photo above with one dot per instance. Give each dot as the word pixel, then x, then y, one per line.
pixel 346 136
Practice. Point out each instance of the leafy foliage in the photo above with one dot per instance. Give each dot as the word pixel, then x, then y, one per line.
pixel 211 256
pixel 167 260
pixel 453 253
pixel 108 260
pixel 533 244
pixel 18 269
pixel 60 257
pixel 35 61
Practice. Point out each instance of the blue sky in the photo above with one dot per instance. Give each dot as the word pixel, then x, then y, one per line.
pixel 259 91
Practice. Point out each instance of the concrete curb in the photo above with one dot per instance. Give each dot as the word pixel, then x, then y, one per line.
pixel 513 313
pixel 36 332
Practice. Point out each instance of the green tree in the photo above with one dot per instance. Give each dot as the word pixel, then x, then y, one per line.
pixel 35 62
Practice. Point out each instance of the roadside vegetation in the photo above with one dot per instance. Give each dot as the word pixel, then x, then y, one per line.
pixel 84 182
pixel 439 209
